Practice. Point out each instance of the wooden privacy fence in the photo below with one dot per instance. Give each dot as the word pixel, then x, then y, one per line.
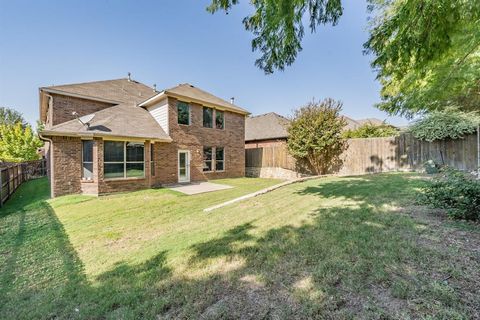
pixel 13 175
pixel 371 155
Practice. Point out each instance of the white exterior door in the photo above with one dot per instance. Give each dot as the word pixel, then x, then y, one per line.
pixel 183 166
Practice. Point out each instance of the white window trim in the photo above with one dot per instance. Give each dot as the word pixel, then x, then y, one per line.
pixel 214 160
pixel 124 162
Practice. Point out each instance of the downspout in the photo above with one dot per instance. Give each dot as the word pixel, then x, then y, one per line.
pixel 51 160
pixel 50 98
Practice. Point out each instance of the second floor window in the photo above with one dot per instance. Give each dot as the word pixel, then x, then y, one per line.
pixel 183 112
pixel 219 119
pixel 207 117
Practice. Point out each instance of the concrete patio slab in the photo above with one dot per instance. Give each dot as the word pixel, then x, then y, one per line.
pixel 198 187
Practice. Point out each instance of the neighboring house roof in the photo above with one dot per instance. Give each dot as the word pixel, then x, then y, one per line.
pixel 266 126
pixel 351 124
pixel 117 90
pixel 373 121
pixel 188 92
pixel 123 121
pixel 274 126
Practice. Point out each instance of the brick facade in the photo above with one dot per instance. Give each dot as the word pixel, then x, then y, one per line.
pixel 194 137
pixel 67 152
pixel 67 167
pixel 63 106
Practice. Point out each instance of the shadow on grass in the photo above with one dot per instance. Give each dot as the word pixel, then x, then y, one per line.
pixel 374 189
pixel 345 262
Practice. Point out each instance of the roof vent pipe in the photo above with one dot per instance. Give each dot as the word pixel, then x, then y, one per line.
pixel 129 77
pixel 154 87
pixel 232 100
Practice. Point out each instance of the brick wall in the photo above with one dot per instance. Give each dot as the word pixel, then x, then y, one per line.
pixel 123 185
pixel 63 106
pixel 67 167
pixel 194 137
pixel 67 152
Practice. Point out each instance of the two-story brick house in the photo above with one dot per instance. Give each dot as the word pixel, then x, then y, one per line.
pixel 121 135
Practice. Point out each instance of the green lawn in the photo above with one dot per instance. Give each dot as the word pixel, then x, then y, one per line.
pixel 329 248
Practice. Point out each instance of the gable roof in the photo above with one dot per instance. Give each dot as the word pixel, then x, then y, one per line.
pixel 373 121
pixel 117 90
pixel 188 92
pixel 351 124
pixel 120 121
pixel 274 126
pixel 266 126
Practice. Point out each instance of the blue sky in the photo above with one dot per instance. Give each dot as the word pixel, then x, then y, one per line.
pixel 175 41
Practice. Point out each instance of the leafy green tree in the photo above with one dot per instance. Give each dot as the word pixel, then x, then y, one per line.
pixel 370 130
pixel 18 143
pixel 10 116
pixel 426 53
pixel 449 123
pixel 315 135
pixel 277 26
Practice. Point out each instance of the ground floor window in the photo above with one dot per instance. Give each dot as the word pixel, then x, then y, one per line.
pixel 209 160
pixel 123 159
pixel 219 159
pixel 87 159
pixel 152 161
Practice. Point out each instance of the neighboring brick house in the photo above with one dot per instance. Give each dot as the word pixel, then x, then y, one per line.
pixel 270 129
pixel 266 130
pixel 137 137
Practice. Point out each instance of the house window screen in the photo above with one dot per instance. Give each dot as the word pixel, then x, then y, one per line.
pixel 87 159
pixel 207 159
pixel 219 159
pixel 123 160
pixel 207 117
pixel 183 112
pixel 219 119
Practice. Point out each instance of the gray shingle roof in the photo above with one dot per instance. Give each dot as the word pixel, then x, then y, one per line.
pixel 187 90
pixel 123 120
pixel 274 126
pixel 119 90
pixel 266 126
pixel 373 121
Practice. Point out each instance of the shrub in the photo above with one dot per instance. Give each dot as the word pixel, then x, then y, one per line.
pixel 450 123
pixel 456 191
pixel 369 130
pixel 315 135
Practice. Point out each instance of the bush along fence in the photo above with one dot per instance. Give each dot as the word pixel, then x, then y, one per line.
pixel 14 174
pixel 371 155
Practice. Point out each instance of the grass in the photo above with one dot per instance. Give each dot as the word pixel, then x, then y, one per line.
pixel 351 247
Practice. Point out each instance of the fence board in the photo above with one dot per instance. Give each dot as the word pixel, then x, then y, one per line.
pixel 369 155
pixel 13 175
